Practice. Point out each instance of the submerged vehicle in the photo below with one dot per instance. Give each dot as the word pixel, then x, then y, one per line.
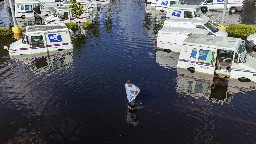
pixel 42 39
pixel 215 55
pixel 62 14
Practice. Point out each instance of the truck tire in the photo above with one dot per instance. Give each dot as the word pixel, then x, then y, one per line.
pixel 204 9
pixel 191 69
pixel 243 79
pixel 232 10
pixel 254 48
pixel 23 17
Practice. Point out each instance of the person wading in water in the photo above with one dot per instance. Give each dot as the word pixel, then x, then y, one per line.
pixel 132 92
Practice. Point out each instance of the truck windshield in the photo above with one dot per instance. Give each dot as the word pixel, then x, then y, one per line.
pixel 224 57
pixel 37 41
pixel 197 12
pixel 211 27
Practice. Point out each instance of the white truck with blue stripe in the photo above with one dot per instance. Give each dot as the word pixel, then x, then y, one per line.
pixel 28 8
pixel 183 11
pixel 162 5
pixel 214 55
pixel 218 5
pixel 62 14
pixel 42 39
pixel 196 85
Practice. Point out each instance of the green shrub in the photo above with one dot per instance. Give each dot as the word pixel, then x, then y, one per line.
pixel 87 25
pixel 73 26
pixel 241 30
pixel 162 22
pixel 4 31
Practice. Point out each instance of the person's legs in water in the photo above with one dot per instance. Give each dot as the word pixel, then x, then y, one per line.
pixel 131 104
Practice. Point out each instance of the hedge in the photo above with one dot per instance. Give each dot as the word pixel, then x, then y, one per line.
pixel 73 26
pixel 4 31
pixel 241 30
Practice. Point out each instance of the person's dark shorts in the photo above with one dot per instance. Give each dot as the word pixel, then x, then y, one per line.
pixel 131 104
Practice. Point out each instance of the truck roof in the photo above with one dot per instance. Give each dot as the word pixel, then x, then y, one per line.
pixel 187 20
pixel 45 27
pixel 183 6
pixel 82 2
pixel 210 40
pixel 62 7
pixel 184 30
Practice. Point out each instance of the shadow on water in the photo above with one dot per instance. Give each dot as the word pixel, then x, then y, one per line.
pixel 108 22
pixel 147 21
pixel 68 99
pixel 95 29
pixel 79 42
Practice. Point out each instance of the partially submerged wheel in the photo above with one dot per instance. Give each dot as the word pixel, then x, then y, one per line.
pixel 254 48
pixel 191 69
pixel 232 10
pixel 204 9
pixel 243 79
pixel 167 50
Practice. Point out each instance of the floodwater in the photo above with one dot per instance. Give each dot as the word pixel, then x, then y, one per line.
pixel 78 97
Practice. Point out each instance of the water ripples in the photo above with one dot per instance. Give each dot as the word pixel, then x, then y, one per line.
pixel 72 104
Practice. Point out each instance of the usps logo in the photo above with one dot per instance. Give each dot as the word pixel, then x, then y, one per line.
pixel 54 38
pixel 176 13
pixel 220 0
pixel 164 3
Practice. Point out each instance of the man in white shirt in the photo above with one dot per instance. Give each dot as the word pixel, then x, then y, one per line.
pixel 132 92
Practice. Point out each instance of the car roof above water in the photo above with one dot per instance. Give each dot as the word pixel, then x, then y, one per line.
pixel 183 6
pixel 186 21
pixel 45 27
pixel 217 41
pixel 183 30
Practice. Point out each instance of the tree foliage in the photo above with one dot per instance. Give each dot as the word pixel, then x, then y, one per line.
pixel 76 8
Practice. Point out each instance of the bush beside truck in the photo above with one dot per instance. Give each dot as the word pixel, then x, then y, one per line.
pixel 5 31
pixel 241 30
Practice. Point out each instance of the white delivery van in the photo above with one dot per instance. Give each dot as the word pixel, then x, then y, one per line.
pixel 51 3
pixel 172 38
pixel 218 5
pixel 162 5
pixel 194 23
pixel 214 55
pixel 62 14
pixel 28 9
pixel 181 11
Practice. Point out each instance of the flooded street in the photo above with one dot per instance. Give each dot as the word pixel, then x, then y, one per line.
pixel 81 98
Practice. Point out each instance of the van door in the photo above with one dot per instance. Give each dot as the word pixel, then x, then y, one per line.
pixel 205 61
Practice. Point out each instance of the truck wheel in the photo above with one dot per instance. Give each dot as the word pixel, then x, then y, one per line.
pixel 232 10
pixel 204 9
pixel 167 50
pixel 191 69
pixel 254 48
pixel 243 79
pixel 23 16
